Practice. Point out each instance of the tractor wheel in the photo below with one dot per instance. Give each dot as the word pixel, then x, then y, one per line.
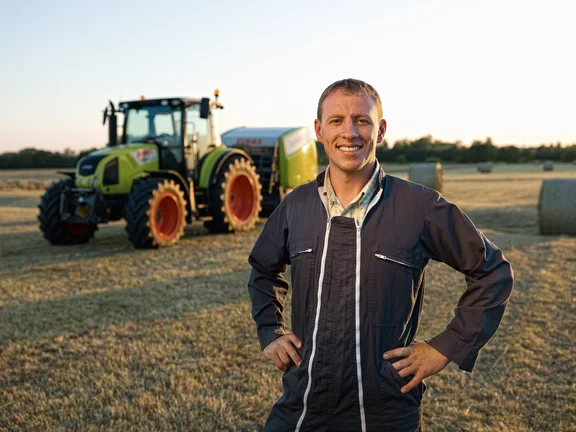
pixel 235 199
pixel 54 229
pixel 155 213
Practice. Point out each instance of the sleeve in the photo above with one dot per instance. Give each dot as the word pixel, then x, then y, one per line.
pixel 267 287
pixel 450 236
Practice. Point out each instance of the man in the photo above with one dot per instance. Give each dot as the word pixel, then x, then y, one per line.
pixel 358 241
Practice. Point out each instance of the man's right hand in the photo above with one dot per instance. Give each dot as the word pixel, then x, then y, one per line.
pixel 283 353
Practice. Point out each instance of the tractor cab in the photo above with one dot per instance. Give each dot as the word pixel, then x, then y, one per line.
pixel 183 130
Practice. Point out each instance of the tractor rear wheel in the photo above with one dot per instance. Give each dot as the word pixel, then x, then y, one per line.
pixel 56 231
pixel 155 213
pixel 235 198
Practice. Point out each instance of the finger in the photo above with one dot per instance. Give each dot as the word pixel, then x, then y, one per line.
pixel 266 353
pixel 401 364
pixel 291 351
pixel 278 363
pixel 284 358
pixel 398 352
pixel 294 339
pixel 410 370
pixel 276 360
pixel 411 384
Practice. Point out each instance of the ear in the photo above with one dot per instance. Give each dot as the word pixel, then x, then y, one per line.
pixel 381 130
pixel 318 130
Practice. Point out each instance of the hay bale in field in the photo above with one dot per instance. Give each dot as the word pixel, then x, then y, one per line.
pixel 548 166
pixel 557 206
pixel 485 167
pixel 429 174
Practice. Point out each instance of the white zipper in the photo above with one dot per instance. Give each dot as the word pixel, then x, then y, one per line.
pixel 387 258
pixel 316 321
pixel 357 310
pixel 358 356
pixel 295 254
pixel 357 317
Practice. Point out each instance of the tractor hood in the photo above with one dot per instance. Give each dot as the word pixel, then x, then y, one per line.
pixel 113 169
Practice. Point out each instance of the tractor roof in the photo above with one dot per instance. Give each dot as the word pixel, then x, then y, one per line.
pixel 174 101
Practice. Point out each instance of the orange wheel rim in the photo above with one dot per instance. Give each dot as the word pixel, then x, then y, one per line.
pixel 240 197
pixel 166 215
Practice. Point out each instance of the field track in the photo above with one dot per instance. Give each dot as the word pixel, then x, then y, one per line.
pixel 106 337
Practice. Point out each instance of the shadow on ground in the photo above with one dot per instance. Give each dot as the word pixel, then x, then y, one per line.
pixel 514 219
pixel 79 313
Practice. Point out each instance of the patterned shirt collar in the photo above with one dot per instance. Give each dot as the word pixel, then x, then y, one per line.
pixel 358 204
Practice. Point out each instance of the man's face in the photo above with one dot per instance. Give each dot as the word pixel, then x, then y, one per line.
pixel 350 129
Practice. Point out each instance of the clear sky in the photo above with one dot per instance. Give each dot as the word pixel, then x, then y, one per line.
pixel 453 69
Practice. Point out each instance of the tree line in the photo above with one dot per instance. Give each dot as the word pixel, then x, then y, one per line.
pixel 427 149
pixel 424 149
pixel 31 158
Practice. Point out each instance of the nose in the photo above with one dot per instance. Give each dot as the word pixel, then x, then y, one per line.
pixel 349 129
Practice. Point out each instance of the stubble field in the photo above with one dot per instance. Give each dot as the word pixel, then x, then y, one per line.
pixel 106 337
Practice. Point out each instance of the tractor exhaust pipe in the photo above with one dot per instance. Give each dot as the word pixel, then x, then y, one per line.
pixel 110 114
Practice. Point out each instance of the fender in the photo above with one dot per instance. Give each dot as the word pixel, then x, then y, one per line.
pixel 211 164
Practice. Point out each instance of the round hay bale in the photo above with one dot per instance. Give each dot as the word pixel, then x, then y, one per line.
pixel 429 174
pixel 548 166
pixel 485 167
pixel 557 206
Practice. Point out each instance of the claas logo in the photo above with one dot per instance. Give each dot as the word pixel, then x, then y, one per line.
pixel 145 155
pixel 248 141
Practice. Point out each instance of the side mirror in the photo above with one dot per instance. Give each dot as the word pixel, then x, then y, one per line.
pixel 204 108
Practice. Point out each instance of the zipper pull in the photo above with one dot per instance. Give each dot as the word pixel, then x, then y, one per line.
pixel 309 250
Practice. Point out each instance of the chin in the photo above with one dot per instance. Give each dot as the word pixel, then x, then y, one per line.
pixel 350 168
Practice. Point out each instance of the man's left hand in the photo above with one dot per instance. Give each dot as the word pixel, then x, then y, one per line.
pixel 421 360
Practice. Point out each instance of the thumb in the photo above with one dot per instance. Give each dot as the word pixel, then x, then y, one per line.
pixel 294 339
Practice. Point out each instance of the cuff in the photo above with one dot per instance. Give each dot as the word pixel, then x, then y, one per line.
pixel 450 345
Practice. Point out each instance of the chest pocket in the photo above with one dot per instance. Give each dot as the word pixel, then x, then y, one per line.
pixel 303 255
pixel 394 277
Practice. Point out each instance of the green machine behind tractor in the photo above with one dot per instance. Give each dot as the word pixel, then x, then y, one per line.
pixel 167 168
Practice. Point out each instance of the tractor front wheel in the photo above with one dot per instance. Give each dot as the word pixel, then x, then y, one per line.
pixel 235 198
pixel 155 213
pixel 54 229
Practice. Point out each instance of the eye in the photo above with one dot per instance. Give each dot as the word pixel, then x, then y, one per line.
pixel 363 121
pixel 335 121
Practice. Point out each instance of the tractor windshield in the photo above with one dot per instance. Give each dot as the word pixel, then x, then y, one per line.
pixel 161 124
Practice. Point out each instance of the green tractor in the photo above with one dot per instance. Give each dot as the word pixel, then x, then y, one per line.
pixel 168 168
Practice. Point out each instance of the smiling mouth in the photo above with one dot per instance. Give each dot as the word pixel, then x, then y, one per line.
pixel 349 149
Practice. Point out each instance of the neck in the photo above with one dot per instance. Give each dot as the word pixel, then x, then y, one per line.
pixel 347 185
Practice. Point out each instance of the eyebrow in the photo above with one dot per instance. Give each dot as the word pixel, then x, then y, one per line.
pixel 338 116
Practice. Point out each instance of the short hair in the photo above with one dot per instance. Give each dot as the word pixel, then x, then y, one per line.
pixel 354 87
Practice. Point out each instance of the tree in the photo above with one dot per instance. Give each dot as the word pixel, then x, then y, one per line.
pixel 509 154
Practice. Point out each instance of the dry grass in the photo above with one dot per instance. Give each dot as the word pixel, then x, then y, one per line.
pixel 105 337
pixel 29 179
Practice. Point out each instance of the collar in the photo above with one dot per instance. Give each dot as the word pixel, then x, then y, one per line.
pixel 365 195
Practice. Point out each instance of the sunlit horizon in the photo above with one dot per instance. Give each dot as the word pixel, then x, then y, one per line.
pixel 451 70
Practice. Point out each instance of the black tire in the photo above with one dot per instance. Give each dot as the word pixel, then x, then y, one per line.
pixel 54 229
pixel 235 198
pixel 155 213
